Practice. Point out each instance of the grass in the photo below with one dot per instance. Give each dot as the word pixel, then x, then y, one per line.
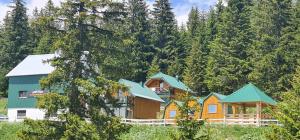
pixel 3 105
pixel 8 131
pixel 218 133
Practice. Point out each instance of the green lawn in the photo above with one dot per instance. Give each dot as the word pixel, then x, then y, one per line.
pixel 8 131
pixel 3 104
pixel 217 133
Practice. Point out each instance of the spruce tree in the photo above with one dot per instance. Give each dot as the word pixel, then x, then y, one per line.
pixel 196 61
pixel 14 42
pixel 86 50
pixel 164 36
pixel 154 68
pixel 228 64
pixel 42 30
pixel 271 56
pixel 193 22
pixel 139 30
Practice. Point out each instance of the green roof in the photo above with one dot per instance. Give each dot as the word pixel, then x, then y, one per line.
pixel 179 103
pixel 249 93
pixel 172 81
pixel 219 96
pixel 136 89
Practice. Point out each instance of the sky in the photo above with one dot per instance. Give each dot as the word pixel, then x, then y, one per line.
pixel 181 8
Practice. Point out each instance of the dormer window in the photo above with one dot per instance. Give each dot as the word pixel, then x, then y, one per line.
pixel 22 94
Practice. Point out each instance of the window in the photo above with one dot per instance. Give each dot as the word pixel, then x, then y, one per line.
pixel 212 108
pixel 21 114
pixel 22 94
pixel 172 113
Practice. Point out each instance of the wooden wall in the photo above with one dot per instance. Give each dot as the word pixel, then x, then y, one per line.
pixel 212 100
pixel 173 107
pixel 156 83
pixel 145 108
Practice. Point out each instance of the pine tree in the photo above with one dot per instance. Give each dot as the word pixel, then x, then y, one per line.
pixel 164 36
pixel 139 31
pixel 196 61
pixel 228 64
pixel 287 112
pixel 213 20
pixel 42 30
pixel 266 53
pixel 14 43
pixel 193 22
pixel 86 50
pixel 154 68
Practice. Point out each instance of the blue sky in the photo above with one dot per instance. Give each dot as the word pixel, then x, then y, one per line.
pixel 181 8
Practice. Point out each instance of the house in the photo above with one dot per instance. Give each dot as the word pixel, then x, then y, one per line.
pixel 248 103
pixel 167 87
pixel 172 110
pixel 142 102
pixel 24 87
pixel 212 107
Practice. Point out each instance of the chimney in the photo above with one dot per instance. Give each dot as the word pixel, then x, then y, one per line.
pixel 141 83
pixel 177 77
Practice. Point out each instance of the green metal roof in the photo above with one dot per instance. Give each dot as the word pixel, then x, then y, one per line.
pixel 179 103
pixel 219 96
pixel 172 81
pixel 136 89
pixel 249 93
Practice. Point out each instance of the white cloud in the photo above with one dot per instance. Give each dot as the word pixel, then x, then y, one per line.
pixel 4 8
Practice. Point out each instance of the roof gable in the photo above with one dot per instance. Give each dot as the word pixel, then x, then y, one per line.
pixel 249 93
pixel 219 96
pixel 33 65
pixel 137 90
pixel 172 81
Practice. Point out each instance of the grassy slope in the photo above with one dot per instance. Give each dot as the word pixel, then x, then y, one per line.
pixel 218 133
pixel 3 104
pixel 8 131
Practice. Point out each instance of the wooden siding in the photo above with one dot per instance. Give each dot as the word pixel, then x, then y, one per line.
pixel 145 108
pixel 173 107
pixel 154 83
pixel 212 100
pixel 178 94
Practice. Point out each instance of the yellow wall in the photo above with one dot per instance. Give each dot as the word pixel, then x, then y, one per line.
pixel 145 108
pixel 173 107
pixel 212 100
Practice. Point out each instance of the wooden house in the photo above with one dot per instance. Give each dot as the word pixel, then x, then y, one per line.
pixel 167 87
pixel 141 102
pixel 247 103
pixel 212 107
pixel 172 110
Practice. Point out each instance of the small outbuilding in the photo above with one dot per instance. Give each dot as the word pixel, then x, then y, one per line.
pixel 247 103
pixel 212 107
pixel 172 110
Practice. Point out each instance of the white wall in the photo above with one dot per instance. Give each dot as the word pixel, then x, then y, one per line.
pixel 32 113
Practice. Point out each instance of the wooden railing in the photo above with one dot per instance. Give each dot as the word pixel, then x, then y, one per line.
pixel 164 122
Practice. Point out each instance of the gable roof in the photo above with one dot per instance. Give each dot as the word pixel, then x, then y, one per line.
pixel 172 81
pixel 137 90
pixel 33 65
pixel 219 96
pixel 249 93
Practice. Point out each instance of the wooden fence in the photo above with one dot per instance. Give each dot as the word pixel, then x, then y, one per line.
pixel 164 122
